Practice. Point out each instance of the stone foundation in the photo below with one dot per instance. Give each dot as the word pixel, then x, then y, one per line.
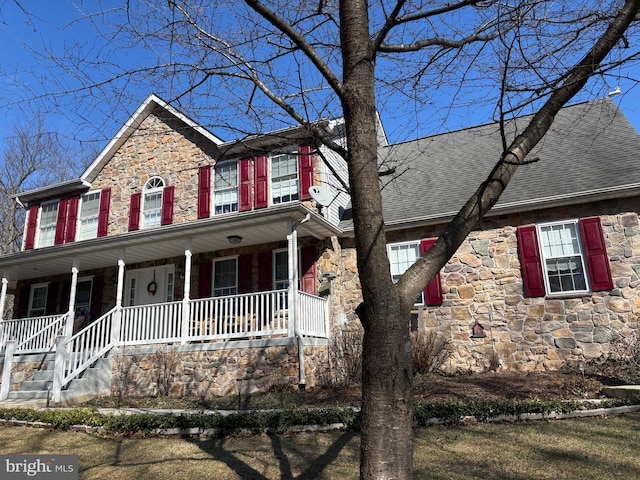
pixel 208 373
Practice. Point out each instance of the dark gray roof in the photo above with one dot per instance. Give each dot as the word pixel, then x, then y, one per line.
pixel 590 151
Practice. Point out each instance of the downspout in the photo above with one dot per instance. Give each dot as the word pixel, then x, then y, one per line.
pixel 292 241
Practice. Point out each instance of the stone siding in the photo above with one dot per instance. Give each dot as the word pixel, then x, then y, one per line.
pixel 158 148
pixel 483 282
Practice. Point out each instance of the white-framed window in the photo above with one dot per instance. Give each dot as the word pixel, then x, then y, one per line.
pixel 83 296
pixel 225 276
pixel 38 299
pixel 401 257
pixel 225 185
pixel 47 225
pixel 563 258
pixel 88 218
pixel 284 178
pixel 152 202
pixel 280 269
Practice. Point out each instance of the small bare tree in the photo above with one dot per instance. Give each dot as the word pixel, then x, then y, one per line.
pixel 32 157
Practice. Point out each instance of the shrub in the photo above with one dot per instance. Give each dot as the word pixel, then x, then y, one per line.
pixel 346 353
pixel 429 352
pixel 165 363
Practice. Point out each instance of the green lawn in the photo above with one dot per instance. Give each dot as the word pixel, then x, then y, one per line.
pixel 590 448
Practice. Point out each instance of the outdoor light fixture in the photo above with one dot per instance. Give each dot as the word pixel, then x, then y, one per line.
pixel 234 239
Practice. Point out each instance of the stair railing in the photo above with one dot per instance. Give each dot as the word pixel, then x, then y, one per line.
pixel 78 352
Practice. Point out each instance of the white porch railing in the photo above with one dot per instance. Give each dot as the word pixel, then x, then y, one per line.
pixel 313 319
pixel 146 324
pixel 29 332
pixel 263 314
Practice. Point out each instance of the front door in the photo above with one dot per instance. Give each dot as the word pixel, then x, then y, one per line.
pixel 146 286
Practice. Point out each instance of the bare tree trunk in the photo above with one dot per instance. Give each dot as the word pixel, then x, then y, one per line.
pixel 387 408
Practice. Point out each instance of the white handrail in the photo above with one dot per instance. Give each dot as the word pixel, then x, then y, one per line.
pixel 44 340
pixel 85 347
pixel 313 311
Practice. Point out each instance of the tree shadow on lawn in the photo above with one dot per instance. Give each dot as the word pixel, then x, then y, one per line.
pixel 216 447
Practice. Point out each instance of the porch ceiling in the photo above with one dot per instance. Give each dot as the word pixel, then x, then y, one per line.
pixel 255 228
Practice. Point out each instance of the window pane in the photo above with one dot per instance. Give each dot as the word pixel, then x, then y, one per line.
pixel 281 270
pixel 48 217
pixel 564 262
pixel 226 188
pixel 152 209
pixel 38 301
pixel 284 178
pixel 224 277
pixel 83 298
pixel 89 215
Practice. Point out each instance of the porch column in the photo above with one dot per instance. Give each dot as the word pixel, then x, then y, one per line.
pixel 3 294
pixel 186 314
pixel 292 264
pixel 117 318
pixel 72 298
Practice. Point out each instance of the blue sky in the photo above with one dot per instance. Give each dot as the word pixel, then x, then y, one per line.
pixel 53 23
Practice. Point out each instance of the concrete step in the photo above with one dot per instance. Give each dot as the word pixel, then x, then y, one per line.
pixel 46 375
pixel 28 394
pixel 626 392
pixel 34 385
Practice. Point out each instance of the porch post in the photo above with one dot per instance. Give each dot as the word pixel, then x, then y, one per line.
pixel 292 265
pixel 117 318
pixel 59 365
pixel 186 314
pixel 6 369
pixel 72 298
pixel 3 294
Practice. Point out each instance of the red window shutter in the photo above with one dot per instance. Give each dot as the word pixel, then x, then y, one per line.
pixel 308 270
pixel 261 183
pixel 32 225
pixel 167 205
pixel 23 302
pixel 530 261
pixel 433 291
pixel 61 222
pixel 245 184
pixel 244 274
pixel 596 252
pixel 103 213
pixel 134 211
pixel 204 191
pixel 96 297
pixel 52 300
pixel 305 165
pixel 205 275
pixel 72 219
pixel 265 271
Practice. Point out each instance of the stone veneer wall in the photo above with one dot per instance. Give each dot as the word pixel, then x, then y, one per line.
pixel 208 373
pixel 483 282
pixel 160 147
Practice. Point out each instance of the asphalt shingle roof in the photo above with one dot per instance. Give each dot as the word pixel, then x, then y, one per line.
pixel 590 147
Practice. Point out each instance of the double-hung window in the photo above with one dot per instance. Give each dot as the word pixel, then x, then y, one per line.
pixel 284 178
pixel 47 227
pixel 564 264
pixel 281 269
pixel 568 257
pixel 225 186
pixel 225 277
pixel 152 202
pixel 401 257
pixel 89 213
pixel 83 297
pixel 38 300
